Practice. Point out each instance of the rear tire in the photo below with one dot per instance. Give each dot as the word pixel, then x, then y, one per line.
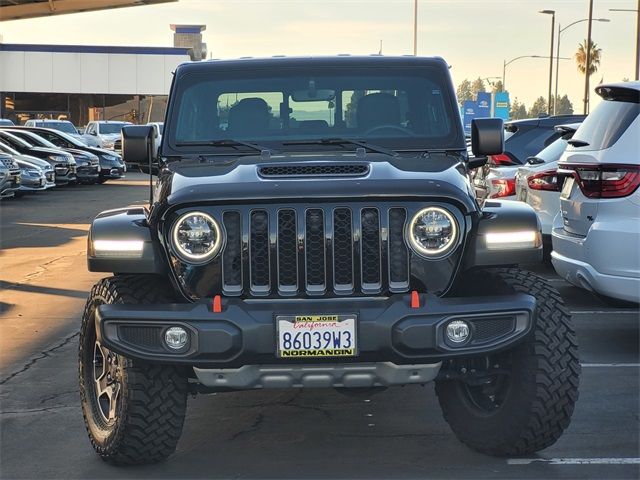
pixel 133 411
pixel 529 408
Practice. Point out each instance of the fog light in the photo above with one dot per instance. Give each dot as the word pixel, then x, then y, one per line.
pixel 176 337
pixel 458 331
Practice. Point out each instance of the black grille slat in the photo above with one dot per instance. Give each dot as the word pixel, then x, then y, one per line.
pixel 259 251
pixel 331 170
pixel 488 330
pixel 144 337
pixel 370 249
pixel 398 253
pixel 315 250
pixel 343 249
pixel 232 257
pixel 287 252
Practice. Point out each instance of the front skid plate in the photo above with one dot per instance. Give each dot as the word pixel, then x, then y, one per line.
pixel 382 374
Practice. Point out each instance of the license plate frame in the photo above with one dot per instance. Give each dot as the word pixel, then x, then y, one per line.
pixel 315 324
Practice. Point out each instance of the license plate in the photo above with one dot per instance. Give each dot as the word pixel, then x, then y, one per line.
pixel 316 336
pixel 567 187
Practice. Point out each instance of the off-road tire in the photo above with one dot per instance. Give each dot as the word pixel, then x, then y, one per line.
pixel 544 377
pixel 153 398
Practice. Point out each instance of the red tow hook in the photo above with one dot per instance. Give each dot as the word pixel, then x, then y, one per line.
pixel 415 299
pixel 216 304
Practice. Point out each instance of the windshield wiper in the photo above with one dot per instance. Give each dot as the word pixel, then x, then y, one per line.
pixel 344 141
pixel 225 142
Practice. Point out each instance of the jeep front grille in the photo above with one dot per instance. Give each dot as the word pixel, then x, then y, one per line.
pixel 315 251
pixel 315 170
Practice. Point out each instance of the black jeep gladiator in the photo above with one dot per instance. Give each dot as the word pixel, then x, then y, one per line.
pixel 313 225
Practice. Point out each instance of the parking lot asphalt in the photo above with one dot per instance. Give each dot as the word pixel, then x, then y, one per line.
pixel 397 433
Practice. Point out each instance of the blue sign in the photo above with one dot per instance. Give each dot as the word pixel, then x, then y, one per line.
pixel 469 112
pixel 501 105
pixel 484 105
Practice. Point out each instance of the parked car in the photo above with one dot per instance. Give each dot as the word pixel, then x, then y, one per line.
pixel 46 167
pixel 87 164
pixel 9 176
pixel 104 132
pixel 596 234
pixel 537 182
pixel 355 257
pixel 63 126
pixel 62 162
pixel 6 122
pixel 32 178
pixel 523 139
pixel 111 164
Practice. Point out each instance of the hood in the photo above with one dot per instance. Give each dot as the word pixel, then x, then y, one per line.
pixel 377 175
pixel 101 151
pixel 33 161
pixel 110 136
pixel 52 151
pixel 81 153
pixel 22 163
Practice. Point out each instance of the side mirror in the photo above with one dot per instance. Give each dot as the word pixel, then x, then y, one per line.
pixel 487 136
pixel 136 143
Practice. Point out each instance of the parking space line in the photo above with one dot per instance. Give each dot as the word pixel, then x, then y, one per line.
pixel 596 365
pixel 575 461
pixel 600 312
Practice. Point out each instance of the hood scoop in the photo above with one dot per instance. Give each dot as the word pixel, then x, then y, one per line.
pixel 342 169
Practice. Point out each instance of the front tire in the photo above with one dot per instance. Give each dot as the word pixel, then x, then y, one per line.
pixel 528 406
pixel 133 412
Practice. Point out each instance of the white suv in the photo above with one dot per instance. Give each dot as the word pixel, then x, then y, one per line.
pixel 596 234
pixel 105 132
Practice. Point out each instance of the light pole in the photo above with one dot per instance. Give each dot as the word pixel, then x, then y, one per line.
pixel 505 64
pixel 560 30
pixel 415 28
pixel 553 31
pixel 588 60
pixel 637 34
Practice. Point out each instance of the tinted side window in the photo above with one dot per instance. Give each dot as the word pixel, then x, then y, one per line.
pixel 606 124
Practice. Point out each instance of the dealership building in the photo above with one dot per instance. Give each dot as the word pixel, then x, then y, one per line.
pixel 84 82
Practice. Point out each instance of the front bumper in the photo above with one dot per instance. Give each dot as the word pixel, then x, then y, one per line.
pixel 10 184
pixel 33 184
pixel 88 174
pixel 112 172
pixel 65 173
pixel 244 333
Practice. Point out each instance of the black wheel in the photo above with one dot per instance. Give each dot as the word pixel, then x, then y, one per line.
pixel 527 405
pixel 133 411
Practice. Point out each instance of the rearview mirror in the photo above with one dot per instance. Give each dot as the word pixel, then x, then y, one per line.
pixel 487 136
pixel 313 95
pixel 136 143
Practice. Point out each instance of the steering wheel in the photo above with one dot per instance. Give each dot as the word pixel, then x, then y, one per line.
pixel 396 128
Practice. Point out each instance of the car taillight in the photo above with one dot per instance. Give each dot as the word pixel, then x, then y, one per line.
pixel 501 160
pixel 504 187
pixel 544 181
pixel 605 181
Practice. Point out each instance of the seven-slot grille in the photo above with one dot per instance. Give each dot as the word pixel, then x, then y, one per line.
pixel 315 250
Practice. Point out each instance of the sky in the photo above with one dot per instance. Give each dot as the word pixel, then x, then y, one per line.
pixel 474 36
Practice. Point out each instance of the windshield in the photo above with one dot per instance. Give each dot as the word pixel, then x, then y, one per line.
pixel 554 151
pixel 403 110
pixel 111 128
pixel 61 126
pixel 35 139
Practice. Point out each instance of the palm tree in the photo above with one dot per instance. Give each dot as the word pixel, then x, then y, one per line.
pixel 581 57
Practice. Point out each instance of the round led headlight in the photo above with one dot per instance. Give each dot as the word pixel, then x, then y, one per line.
pixel 196 237
pixel 432 232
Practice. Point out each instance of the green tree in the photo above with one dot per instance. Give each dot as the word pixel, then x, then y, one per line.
pixel 478 86
pixel 539 107
pixel 350 111
pixel 594 60
pixel 563 106
pixel 518 110
pixel 497 87
pixel 464 92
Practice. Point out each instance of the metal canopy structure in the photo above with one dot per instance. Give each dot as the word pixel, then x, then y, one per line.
pixel 20 9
